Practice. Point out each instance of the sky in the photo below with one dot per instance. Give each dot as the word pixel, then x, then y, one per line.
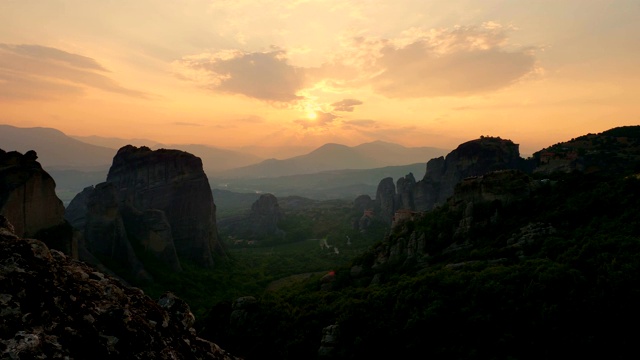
pixel 231 73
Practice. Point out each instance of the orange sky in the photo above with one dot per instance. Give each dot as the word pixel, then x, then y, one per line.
pixel 305 72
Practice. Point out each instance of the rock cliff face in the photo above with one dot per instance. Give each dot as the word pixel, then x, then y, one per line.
pixel 28 198
pixel 156 202
pixel 55 307
pixel 470 197
pixel 27 194
pixel 473 158
pixel 172 181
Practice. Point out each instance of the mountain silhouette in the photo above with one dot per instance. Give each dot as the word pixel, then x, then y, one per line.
pixel 55 149
pixel 332 156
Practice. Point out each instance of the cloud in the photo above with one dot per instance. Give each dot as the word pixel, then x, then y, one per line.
pixel 182 123
pixel 54 54
pixel 40 72
pixel 460 61
pixel 251 119
pixel 346 105
pixel 261 75
pixel 366 123
pixel 322 119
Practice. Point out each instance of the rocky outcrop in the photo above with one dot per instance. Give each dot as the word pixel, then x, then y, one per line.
pixel 172 181
pixel 27 194
pixel 28 198
pixel 473 158
pixel 261 222
pixel 105 234
pixel 505 186
pixel 55 307
pixel 265 215
pixel 474 203
pixel 405 188
pixel 156 202
pixel 385 203
pixel 152 232
pixel 329 342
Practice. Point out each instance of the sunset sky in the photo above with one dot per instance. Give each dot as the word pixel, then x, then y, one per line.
pixel 230 73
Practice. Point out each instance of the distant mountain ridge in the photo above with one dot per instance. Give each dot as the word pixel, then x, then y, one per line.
pixel 55 149
pixel 76 164
pixel 332 156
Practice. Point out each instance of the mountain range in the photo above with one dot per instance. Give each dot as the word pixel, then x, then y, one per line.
pixel 331 156
pixel 75 163
pixel 55 149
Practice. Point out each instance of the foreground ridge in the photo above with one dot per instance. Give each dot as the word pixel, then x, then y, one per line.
pixel 56 307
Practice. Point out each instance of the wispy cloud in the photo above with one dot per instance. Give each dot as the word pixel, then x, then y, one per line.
pixel 182 123
pixel 458 61
pixel 346 105
pixel 446 62
pixel 40 72
pixel 365 123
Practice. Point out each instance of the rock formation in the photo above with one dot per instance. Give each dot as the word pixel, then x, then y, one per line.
pixel 471 197
pixel 155 202
pixel 265 215
pixel 472 158
pixel 385 203
pixel 172 181
pixel 105 234
pixel 260 222
pixel 55 307
pixel 504 186
pixel 28 199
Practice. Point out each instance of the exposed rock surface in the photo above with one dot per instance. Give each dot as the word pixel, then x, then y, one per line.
pixel 172 181
pixel 265 215
pixel 472 158
pixel 262 221
pixel 105 234
pixel 329 341
pixel 28 198
pixel 158 202
pixel 27 194
pixel 385 203
pixel 504 187
pixel 56 307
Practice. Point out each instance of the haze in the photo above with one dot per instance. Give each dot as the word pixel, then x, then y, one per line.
pixel 308 72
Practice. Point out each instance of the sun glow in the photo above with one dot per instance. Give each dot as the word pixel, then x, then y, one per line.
pixel 312 115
